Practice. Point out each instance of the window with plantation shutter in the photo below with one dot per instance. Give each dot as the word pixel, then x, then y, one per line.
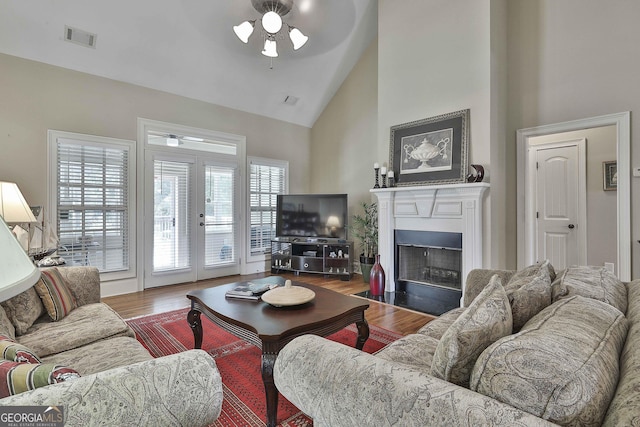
pixel 267 179
pixel 93 200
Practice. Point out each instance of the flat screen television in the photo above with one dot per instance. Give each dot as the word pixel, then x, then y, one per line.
pixel 312 216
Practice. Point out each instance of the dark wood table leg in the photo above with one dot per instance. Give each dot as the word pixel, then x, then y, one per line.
pixel 363 333
pixel 268 361
pixel 193 318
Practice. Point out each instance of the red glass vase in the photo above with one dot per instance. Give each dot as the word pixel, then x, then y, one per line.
pixel 377 279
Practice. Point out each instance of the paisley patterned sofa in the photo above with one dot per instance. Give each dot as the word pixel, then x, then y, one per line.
pixel 530 348
pixel 120 383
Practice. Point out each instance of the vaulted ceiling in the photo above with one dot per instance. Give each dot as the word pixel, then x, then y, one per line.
pixel 188 48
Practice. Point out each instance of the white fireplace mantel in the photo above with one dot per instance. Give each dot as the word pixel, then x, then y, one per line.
pixel 455 208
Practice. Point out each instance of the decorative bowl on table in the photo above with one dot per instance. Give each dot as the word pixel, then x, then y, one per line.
pixel 288 295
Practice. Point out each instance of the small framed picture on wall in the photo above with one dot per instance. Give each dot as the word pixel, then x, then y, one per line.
pixel 610 175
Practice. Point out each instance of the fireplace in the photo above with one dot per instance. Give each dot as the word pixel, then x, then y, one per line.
pixel 428 265
pixel 429 238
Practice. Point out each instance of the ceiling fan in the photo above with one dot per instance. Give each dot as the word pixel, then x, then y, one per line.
pixel 272 12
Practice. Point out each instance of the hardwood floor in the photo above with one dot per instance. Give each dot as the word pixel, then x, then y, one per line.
pixel 166 298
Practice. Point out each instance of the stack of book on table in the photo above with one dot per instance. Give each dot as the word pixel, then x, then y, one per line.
pixel 251 291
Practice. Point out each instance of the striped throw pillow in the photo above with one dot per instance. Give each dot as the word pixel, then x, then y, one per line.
pixel 55 294
pixel 11 350
pixel 20 377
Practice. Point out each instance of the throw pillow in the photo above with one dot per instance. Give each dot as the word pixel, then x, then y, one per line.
pixel 6 327
pixel 529 292
pixel 23 310
pixel 563 366
pixel 593 282
pixel 20 377
pixel 534 269
pixel 11 350
pixel 486 320
pixel 55 294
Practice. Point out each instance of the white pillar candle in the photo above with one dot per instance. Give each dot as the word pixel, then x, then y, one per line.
pixel 376 166
pixel 390 174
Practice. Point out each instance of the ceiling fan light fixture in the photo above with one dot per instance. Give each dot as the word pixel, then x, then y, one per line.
pixel 297 38
pixel 271 22
pixel 244 30
pixel 270 48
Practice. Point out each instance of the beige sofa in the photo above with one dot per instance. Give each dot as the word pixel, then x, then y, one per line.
pixel 547 350
pixel 121 383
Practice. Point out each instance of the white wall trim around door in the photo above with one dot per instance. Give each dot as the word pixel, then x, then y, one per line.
pixel 622 121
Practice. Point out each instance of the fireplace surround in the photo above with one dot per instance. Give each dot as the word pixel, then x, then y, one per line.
pixel 452 212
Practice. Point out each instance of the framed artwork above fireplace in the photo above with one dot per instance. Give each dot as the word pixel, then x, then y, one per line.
pixel 431 151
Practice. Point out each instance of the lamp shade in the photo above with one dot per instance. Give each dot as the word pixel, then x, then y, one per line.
pixel 270 48
pixel 297 38
pixel 333 221
pixel 13 207
pixel 17 272
pixel 244 30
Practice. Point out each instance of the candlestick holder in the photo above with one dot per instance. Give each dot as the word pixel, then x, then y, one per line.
pixel 377 184
pixel 384 180
pixel 391 182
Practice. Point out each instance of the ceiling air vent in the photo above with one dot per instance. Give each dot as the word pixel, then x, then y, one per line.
pixel 291 100
pixel 80 37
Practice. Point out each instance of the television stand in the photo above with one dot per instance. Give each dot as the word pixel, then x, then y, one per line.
pixel 331 257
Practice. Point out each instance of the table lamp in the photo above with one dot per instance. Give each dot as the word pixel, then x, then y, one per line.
pixel 14 209
pixel 17 271
pixel 333 223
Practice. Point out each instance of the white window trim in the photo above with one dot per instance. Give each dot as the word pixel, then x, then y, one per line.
pixel 52 193
pixel 146 125
pixel 266 162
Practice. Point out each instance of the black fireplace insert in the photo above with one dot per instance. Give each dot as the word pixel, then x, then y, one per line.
pixel 428 266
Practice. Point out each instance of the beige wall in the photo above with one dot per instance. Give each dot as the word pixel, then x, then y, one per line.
pixel 435 57
pixel 515 64
pixel 344 138
pixel 602 243
pixel 36 97
pixel 562 60
pixel 574 59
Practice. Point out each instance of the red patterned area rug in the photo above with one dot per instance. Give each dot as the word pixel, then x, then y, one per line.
pixel 238 362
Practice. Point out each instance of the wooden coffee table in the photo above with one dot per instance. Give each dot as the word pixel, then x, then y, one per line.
pixel 271 328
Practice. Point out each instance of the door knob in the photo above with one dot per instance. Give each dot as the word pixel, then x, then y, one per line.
pixel 201 224
pixel 571 226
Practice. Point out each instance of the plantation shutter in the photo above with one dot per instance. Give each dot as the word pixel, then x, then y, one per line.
pixel 172 216
pixel 93 204
pixel 220 190
pixel 266 181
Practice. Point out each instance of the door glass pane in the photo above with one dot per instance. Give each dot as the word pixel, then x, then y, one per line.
pixel 171 230
pixel 219 225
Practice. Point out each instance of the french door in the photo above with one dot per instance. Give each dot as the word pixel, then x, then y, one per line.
pixel 191 218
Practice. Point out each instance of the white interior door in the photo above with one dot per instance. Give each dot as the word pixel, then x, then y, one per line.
pixel 192 209
pixel 561 203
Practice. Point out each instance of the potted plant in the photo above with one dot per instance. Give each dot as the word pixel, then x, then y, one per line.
pixel 365 229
